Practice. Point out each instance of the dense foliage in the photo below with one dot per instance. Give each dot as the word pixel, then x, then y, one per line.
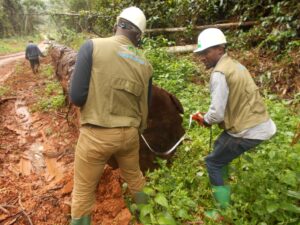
pixel 265 182
pixel 18 17
pixel 279 27
pixel 278 20
pixel 9 17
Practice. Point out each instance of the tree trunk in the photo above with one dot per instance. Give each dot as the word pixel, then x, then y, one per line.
pixel 181 49
pixel 221 25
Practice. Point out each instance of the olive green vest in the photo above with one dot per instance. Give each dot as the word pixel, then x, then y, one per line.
pixel 245 107
pixel 119 82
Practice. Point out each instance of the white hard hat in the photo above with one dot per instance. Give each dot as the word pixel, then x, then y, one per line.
pixel 210 37
pixel 135 16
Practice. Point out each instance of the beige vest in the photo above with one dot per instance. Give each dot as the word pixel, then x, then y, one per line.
pixel 245 107
pixel 118 89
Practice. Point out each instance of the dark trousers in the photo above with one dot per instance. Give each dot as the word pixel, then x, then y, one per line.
pixel 226 148
pixel 34 63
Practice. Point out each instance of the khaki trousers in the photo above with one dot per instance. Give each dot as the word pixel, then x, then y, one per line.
pixel 95 146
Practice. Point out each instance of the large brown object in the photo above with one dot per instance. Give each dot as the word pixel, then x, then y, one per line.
pixel 164 120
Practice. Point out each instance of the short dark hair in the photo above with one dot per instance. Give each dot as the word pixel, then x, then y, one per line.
pixel 125 24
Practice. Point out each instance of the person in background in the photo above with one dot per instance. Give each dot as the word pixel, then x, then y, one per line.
pixel 32 53
pixel 111 84
pixel 236 105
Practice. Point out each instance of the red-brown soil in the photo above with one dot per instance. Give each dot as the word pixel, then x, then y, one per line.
pixel 36 159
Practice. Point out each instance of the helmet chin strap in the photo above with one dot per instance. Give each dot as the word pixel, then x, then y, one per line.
pixel 139 40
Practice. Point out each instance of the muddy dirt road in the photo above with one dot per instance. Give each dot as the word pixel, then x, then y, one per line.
pixel 5 59
pixel 36 157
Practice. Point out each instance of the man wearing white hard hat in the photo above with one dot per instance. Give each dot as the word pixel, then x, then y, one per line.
pixel 236 106
pixel 111 84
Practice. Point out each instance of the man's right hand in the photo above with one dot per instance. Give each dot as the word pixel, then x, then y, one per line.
pixel 198 117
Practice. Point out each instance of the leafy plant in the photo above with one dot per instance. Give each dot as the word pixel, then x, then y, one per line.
pixel 52 88
pixel 51 103
pixel 71 38
pixel 278 28
pixel 47 70
pixel 52 97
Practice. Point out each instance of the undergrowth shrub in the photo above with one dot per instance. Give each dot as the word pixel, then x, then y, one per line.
pixel 51 97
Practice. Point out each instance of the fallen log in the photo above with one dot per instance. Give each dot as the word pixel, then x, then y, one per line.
pixel 164 119
pixel 181 49
pixel 220 25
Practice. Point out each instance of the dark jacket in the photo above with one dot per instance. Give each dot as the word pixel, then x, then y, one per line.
pixel 32 52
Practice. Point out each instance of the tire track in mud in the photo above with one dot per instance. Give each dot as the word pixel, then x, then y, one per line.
pixel 5 59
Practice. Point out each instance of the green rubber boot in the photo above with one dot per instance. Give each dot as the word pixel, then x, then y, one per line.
pixel 85 220
pixel 222 197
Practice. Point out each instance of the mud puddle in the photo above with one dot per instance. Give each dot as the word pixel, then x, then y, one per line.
pixel 33 160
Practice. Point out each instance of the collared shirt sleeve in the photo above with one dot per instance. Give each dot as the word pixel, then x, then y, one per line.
pixel 80 82
pixel 219 95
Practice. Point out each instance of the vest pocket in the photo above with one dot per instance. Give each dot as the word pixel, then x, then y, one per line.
pixel 125 98
pixel 254 100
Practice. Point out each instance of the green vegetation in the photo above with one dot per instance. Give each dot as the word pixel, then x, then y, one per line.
pixel 277 29
pixel 70 38
pixel 50 103
pixel 16 44
pixel 3 90
pixel 52 97
pixel 19 17
pixel 265 181
pixel 47 71
pixel 279 23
